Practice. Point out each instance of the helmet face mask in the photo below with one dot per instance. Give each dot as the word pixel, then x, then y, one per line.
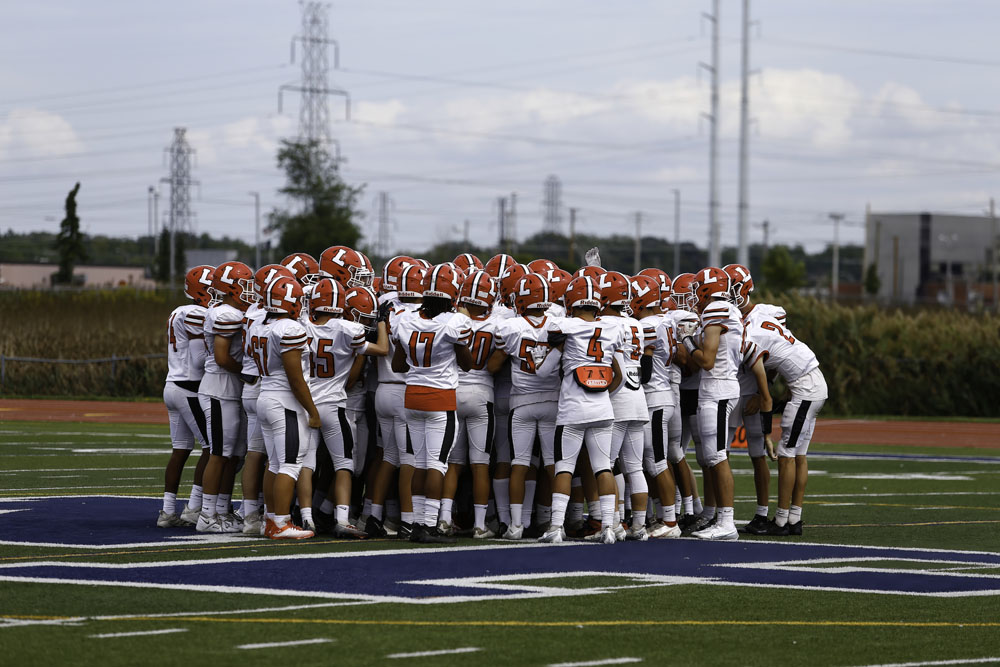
pixel 741 284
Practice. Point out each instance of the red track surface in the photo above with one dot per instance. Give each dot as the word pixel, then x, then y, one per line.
pixel 834 431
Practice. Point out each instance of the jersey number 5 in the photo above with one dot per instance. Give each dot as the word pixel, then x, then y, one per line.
pixel 425 338
pixel 324 355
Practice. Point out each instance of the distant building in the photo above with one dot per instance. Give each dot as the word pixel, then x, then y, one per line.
pixel 35 276
pixel 932 257
pixel 212 257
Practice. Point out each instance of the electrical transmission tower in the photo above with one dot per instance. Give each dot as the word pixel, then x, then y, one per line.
pixel 181 216
pixel 383 238
pixel 552 206
pixel 314 113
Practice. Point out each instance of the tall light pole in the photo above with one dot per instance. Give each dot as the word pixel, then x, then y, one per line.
pixel 743 248
pixel 256 228
pixel 835 278
pixel 677 231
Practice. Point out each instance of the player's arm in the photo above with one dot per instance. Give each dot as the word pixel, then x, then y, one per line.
pixel 291 361
pixel 761 377
pixel 399 364
pixel 354 374
pixel 496 361
pixel 617 379
pixel 704 356
pixel 463 355
pixel 380 348
pixel 222 356
pixel 548 363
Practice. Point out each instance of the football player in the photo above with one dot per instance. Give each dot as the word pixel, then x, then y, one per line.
pixel 220 393
pixel 719 357
pixel 431 345
pixel 185 368
pixel 585 414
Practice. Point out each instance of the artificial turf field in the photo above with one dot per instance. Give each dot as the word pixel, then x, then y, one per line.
pixel 899 563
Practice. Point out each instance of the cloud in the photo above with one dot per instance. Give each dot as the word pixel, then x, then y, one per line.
pixel 31 133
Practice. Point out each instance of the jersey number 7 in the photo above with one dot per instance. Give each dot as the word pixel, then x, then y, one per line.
pixel 425 338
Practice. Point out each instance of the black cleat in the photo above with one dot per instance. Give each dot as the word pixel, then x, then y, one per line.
pixel 405 531
pixel 374 528
pixel 534 531
pixel 324 522
pixel 776 530
pixel 687 521
pixel 757 525
pixel 430 535
pixel 795 528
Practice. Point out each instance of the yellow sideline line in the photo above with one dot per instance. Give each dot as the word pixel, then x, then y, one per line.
pixel 530 624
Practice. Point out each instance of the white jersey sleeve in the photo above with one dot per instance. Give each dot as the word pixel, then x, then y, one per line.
pixel 185 326
pixel 721 382
pixel 223 320
pixel 783 352
pixel 278 336
pixel 254 315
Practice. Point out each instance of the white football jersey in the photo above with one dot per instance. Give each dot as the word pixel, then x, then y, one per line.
pixel 482 346
pixel 720 382
pixel 430 347
pixel 783 352
pixel 629 400
pixel 184 322
pixel 502 383
pixel 658 333
pixel 254 315
pixel 274 337
pixel 587 344
pixel 517 336
pixel 764 311
pixel 223 320
pixel 385 372
pixel 333 346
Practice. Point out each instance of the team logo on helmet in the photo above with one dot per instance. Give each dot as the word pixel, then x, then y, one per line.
pixel 198 284
pixel 303 266
pixel 283 295
pixel 361 306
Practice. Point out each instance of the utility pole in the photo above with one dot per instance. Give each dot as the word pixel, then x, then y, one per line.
pixel 314 114
pixel 151 222
pixel 714 249
pixel 572 235
pixel 677 231
pixel 180 181
pixel 996 248
pixel 502 223
pixel 511 223
pixel 383 239
pixel 835 278
pixel 552 206
pixel 256 229
pixel 743 250
pixel 638 241
pixel 156 219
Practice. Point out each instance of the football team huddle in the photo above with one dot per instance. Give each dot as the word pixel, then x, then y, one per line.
pixel 457 399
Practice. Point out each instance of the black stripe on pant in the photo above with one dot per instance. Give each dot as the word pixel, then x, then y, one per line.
pixel 199 417
pixel 657 426
pixel 216 418
pixel 722 427
pixel 409 442
pixel 345 433
pixel 798 423
pixel 449 437
pixel 557 444
pixel 291 436
pixel 490 427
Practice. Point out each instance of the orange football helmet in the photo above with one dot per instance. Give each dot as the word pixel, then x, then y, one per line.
pixel 682 291
pixel 581 292
pixel 234 279
pixel 347 266
pixel 411 282
pixel 266 274
pixel 480 289
pixel 710 284
pixel 661 277
pixel 442 282
pixel 423 263
pixel 468 263
pixel 393 271
pixel 304 266
pixel 541 266
pixel 197 282
pixel 327 296
pixel 498 265
pixel 593 272
pixel 558 280
pixel 283 295
pixel 509 280
pixel 616 289
pixel 531 291
pixel 741 283
pixel 361 306
pixel 646 292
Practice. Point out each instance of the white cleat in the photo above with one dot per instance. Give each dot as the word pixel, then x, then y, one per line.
pixel 671 532
pixel 189 517
pixel 657 529
pixel 391 527
pixel 514 533
pixel 291 532
pixel 717 532
pixel 253 525
pixel 165 520
pixel 620 532
pixel 446 528
pixel 215 525
pixel 483 534
pixel 554 535
pixel 608 535
pixel 638 534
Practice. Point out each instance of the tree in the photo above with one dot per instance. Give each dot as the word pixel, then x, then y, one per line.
pixel 326 204
pixel 872 281
pixel 781 271
pixel 69 242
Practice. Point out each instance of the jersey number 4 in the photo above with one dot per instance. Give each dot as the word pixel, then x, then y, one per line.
pixel 594 347
pixel 418 338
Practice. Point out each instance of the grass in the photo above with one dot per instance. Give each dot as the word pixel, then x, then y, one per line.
pixel 953 505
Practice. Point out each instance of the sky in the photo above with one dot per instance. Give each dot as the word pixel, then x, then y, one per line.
pixel 454 103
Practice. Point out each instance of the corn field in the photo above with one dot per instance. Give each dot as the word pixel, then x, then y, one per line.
pixel 876 361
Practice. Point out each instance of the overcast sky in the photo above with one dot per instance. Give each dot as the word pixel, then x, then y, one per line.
pixel 455 103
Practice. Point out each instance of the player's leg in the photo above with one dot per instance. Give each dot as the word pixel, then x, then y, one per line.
pixel 522 428
pixel 567 442
pixel 597 438
pixel 631 461
pixel 340 436
pixel 504 452
pixel 181 442
pixel 480 428
pixel 458 459
pixel 439 437
pixel 761 472
pixel 713 422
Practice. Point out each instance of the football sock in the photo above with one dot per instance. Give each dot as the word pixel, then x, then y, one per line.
pixel 281 520
pixel 678 500
pixel 249 507
pixel 544 514
pixel 780 517
pixel 327 507
pixel 575 513
pixel 559 503
pixel 501 491
pixel 208 507
pixel 222 503
pixel 446 504
pixel 170 503
pixel 194 502
pixel 366 510
pixel 617 518
pixel 794 514
pixel 529 496
pixel 406 517
pixel 726 516
pixel 479 511
pixel 607 505
pixel 708 512
pixel 307 515
pixel 525 515
pixel 697 506
pixel 638 519
pixel 762 510
pixel 669 516
pixel 343 514
pixel 418 508
pixel 432 507
pixel 515 514
pixel 620 484
pixel 688 505
pixel 377 511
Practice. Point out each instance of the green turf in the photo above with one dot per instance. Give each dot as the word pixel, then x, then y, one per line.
pixel 941 505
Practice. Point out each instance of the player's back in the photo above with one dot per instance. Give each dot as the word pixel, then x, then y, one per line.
pixel 721 380
pixel 333 346
pixel 183 322
pixel 429 344
pixel 587 347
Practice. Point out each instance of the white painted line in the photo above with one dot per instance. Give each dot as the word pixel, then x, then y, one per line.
pixel 143 633
pixel 10 472
pixel 427 654
pixel 301 642
pixel 967 661
pixel 589 663
pixel 259 610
